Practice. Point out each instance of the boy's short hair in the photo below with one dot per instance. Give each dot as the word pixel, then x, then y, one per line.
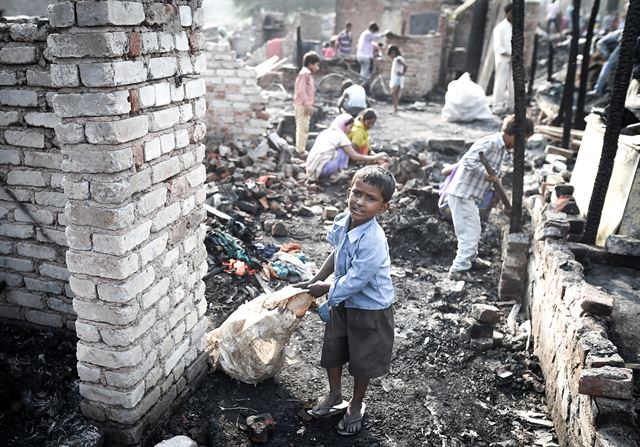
pixel 346 84
pixel 368 114
pixel 349 24
pixel 508 8
pixel 393 49
pixel 378 177
pixel 509 125
pixel 310 58
pixel 373 27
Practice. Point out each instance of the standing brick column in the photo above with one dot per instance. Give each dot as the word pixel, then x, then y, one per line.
pixel 130 102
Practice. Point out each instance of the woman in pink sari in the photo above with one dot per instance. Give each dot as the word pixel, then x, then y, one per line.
pixel 332 150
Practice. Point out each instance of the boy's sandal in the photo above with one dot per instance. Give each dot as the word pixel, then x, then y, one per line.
pixel 327 412
pixel 351 427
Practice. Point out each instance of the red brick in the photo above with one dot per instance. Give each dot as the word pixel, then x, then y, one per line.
pixel 135 44
pixel 608 381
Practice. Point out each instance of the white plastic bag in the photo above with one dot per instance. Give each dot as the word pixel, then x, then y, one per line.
pixel 465 101
pixel 249 345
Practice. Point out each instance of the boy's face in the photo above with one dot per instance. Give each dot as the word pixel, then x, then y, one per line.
pixel 313 68
pixel 365 202
pixel 368 124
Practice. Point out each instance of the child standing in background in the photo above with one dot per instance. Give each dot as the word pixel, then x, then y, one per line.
pixel 304 96
pixel 396 82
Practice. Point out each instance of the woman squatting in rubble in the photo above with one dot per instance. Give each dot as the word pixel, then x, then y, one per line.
pixel 333 149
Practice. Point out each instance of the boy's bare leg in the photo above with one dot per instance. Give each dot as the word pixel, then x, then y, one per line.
pixel 335 388
pixel 360 385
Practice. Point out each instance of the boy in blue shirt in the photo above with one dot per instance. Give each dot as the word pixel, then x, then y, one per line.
pixel 360 330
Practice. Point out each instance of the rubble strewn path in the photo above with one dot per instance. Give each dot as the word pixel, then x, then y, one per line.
pixel 441 391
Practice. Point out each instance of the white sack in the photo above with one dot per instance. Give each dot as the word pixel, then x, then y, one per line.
pixel 465 101
pixel 249 346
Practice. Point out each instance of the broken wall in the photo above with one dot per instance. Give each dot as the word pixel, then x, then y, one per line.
pixel 589 391
pixel 32 200
pixel 236 106
pixel 418 52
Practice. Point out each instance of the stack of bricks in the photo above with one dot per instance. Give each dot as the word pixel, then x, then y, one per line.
pixel 481 327
pixel 513 274
pixel 131 101
pixel 236 105
pixel 589 391
pixel 32 219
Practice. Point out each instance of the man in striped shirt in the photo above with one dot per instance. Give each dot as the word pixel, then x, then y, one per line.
pixel 469 186
pixel 345 40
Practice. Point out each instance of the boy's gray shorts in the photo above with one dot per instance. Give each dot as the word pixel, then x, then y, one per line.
pixel 363 338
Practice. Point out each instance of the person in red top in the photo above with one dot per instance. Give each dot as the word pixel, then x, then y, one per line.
pixel 304 95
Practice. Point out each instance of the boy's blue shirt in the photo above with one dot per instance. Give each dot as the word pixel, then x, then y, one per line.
pixel 362 265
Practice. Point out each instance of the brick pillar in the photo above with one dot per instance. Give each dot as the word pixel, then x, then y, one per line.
pixel 130 103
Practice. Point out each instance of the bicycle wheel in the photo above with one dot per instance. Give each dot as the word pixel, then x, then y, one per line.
pixel 331 84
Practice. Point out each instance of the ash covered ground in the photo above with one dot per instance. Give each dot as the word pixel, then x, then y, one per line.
pixel 440 392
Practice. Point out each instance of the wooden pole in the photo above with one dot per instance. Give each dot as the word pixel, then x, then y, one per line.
pixel 534 66
pixel 614 122
pixel 584 67
pixel 570 82
pixel 520 108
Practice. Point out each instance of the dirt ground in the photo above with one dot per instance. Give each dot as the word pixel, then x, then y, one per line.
pixel 440 392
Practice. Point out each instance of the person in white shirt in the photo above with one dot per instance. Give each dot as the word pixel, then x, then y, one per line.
pixel 364 52
pixel 396 79
pixel 353 99
pixel 503 80
pixel 553 16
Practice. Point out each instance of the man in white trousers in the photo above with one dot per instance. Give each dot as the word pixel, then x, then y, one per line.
pixel 468 187
pixel 503 80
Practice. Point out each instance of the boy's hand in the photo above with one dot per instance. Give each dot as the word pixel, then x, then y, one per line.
pixel 490 178
pixel 319 288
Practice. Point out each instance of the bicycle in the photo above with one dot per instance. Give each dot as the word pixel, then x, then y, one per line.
pixel 374 85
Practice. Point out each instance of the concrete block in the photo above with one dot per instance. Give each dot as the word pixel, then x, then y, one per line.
pixel 109 358
pixel 115 132
pixel 104 313
pixel 98 162
pixel 623 245
pixel 486 313
pixel 165 42
pixel 165 217
pixel 64 75
pixel 163 170
pixel 90 45
pixel 113 73
pixel 87 373
pixel 8 78
pixel 124 242
pixel 61 15
pixel 194 88
pixel 151 201
pixel 27 178
pixel 106 266
pixel 105 218
pixel 153 249
pixel 87 332
pixel 41 78
pixel 9 117
pixel 149 42
pixel 37 251
pixel 28 32
pixel 69 133
pixel 42 119
pixel 163 119
pixel 182 41
pixel 90 13
pixel 608 381
pixel 18 98
pixel 16 231
pixel 54 271
pixel 162 67
pixel 9 157
pixel 185 15
pixel 124 337
pixel 167 143
pixel 43 318
pixel 158 14
pixel 132 376
pixel 155 293
pixel 124 292
pixel 24 138
pixel 43 286
pixel 92 104
pixel 18 55
pixel 25 299
pixel 49 160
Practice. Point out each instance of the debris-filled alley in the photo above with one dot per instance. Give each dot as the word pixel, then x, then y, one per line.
pixel 173 176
